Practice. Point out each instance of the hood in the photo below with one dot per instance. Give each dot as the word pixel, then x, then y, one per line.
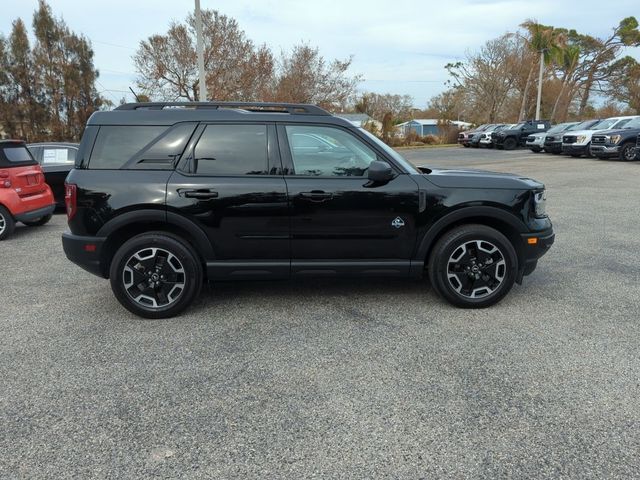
pixel 470 178
pixel 576 133
pixel 620 131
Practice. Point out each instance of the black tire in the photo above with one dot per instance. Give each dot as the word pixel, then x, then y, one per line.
pixel 465 145
pixel 505 265
pixel 510 143
pixel 587 152
pixel 628 152
pixel 536 150
pixel 7 223
pixel 39 222
pixel 181 268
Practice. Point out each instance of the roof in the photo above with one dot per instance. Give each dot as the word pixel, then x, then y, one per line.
pixel 169 113
pixel 354 117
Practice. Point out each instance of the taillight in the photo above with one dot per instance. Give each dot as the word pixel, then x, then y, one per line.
pixel 5 181
pixel 70 199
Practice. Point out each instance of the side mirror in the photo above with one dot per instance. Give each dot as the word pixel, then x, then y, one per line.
pixel 380 171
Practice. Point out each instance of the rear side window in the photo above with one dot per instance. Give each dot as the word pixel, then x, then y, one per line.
pixel 231 150
pixel 116 145
pixel 15 155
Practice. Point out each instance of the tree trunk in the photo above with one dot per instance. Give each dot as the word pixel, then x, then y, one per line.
pixel 560 95
pixel 585 95
pixel 525 95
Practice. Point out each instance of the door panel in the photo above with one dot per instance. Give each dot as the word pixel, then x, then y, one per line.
pixel 245 216
pixel 341 222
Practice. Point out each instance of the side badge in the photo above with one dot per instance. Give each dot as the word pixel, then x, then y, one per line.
pixel 397 222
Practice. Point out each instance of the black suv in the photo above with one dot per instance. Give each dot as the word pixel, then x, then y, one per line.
pixel 509 139
pixel 166 195
pixel 620 143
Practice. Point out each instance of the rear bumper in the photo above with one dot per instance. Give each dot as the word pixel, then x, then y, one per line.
pixel 32 215
pixel 85 252
pixel 605 151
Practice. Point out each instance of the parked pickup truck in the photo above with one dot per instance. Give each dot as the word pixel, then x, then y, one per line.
pixel 516 136
pixel 535 141
pixel 553 141
pixel 620 144
pixel 464 138
pixel 578 143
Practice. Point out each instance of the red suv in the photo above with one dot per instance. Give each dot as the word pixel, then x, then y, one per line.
pixel 24 195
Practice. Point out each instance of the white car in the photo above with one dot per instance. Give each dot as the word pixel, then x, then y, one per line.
pixel 578 143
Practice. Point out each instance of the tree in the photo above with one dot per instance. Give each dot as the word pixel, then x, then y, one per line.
pixel 625 86
pixel 305 76
pixel 377 105
pixel 236 69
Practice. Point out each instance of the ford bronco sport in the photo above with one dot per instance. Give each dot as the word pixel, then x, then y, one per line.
pixel 166 195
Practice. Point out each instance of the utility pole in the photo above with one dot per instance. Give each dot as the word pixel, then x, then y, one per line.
pixel 540 84
pixel 203 86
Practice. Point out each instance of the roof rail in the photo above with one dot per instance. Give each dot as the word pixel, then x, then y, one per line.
pixel 291 108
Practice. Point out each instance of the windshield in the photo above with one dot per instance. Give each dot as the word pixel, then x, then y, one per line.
pixel 389 151
pixel 558 128
pixel 583 125
pixel 517 125
pixel 633 123
pixel 605 124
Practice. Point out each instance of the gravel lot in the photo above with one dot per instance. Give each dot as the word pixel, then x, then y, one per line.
pixel 339 379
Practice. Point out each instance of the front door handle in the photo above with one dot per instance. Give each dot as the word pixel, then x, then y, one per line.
pixel 316 196
pixel 202 193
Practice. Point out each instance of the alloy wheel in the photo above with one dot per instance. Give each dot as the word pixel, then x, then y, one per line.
pixel 476 269
pixel 154 278
pixel 3 223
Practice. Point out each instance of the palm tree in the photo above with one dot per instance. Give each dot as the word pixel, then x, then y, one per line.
pixel 546 41
pixel 568 58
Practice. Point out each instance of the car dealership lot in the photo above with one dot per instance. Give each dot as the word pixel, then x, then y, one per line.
pixel 335 378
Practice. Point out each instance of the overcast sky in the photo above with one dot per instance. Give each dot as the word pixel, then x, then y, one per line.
pixel 398 46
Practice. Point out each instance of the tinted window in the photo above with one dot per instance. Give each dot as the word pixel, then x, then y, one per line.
pixel 116 145
pixel 231 150
pixel 163 151
pixel 342 156
pixel 14 155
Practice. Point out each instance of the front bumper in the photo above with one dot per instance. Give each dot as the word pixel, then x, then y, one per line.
pixel 574 149
pixel 553 146
pixel 36 214
pixel 539 143
pixel 605 150
pixel 534 251
pixel 85 252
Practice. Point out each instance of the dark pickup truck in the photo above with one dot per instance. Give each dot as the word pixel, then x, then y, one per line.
pixel 517 136
pixel 620 144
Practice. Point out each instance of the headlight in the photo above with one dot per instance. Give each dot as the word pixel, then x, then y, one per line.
pixel 581 138
pixel 614 138
pixel 540 203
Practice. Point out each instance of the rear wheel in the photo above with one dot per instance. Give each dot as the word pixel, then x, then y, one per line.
pixel 628 152
pixel 7 224
pixel 155 275
pixel 38 222
pixel 510 143
pixel 473 266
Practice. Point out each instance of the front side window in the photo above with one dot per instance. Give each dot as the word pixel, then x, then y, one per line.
pixel 231 150
pixel 116 145
pixel 319 151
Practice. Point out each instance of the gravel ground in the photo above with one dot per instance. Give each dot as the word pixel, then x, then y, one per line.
pixel 339 379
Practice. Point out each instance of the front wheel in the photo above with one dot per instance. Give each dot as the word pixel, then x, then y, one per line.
pixel 628 152
pixel 510 143
pixel 38 222
pixel 7 223
pixel 155 275
pixel 473 266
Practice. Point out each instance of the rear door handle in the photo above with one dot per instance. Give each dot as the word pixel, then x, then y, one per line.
pixel 202 193
pixel 316 195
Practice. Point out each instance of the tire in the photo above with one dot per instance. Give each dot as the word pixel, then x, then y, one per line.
pixel 510 143
pixel 39 222
pixel 7 223
pixel 588 152
pixel 465 145
pixel 463 244
pixel 628 152
pixel 160 256
pixel 536 150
